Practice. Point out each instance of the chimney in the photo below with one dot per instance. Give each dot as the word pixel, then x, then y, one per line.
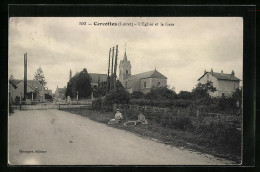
pixel 221 72
pixel 205 71
pixel 233 73
pixel 25 76
pixel 211 71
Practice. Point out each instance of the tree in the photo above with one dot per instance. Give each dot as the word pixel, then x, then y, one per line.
pixel 161 93
pixel 137 95
pixel 184 95
pixel 81 84
pixel 118 95
pixel 100 90
pixel 202 90
pixel 39 76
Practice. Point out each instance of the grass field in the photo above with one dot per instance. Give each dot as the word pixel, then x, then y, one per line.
pixel 176 137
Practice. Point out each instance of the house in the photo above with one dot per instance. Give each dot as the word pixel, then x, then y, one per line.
pixel 139 82
pixel 35 91
pixel 60 93
pixel 225 84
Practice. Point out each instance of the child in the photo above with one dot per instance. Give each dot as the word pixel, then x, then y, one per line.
pixel 118 115
pixel 141 118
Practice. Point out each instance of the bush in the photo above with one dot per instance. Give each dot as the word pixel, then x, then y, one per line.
pixel 183 103
pixel 137 95
pixel 118 96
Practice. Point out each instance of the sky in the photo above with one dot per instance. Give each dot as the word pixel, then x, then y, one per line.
pixel 181 51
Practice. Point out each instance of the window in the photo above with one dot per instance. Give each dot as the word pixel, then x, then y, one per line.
pixel 126 71
pixel 144 84
pixel 158 84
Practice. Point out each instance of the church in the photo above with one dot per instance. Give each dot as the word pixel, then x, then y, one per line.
pixel 139 82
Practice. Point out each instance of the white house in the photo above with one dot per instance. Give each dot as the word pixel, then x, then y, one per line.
pixel 225 84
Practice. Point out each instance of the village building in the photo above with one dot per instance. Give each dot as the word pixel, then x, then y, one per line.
pixel 139 82
pixel 60 93
pixel 225 84
pixel 96 78
pixel 35 91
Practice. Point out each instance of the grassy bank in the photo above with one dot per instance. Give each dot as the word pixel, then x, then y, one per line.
pixel 204 138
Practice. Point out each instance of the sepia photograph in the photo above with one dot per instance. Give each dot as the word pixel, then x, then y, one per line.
pixel 125 90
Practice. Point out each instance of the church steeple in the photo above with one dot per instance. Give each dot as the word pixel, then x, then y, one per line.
pixel 124 69
pixel 125 56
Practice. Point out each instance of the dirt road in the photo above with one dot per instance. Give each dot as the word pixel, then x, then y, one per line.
pixel 53 137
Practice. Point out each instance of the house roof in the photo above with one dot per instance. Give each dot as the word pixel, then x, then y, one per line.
pixel 96 76
pixel 149 74
pixel 221 76
pixel 10 81
pixel 62 90
pixel 15 81
pixel 34 84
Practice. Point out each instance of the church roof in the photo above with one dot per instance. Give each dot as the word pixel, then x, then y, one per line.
pixel 62 90
pixel 96 76
pixel 149 74
pixel 223 76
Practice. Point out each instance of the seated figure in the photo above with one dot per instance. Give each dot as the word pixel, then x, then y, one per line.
pixel 118 115
pixel 141 118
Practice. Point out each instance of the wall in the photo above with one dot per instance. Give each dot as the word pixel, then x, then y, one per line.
pixel 227 87
pixel 209 77
pixel 154 82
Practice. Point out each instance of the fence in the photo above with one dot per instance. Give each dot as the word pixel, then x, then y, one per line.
pixel 193 112
pixel 45 106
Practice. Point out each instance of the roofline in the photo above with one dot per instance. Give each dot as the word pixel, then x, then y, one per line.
pixel 219 78
pixel 30 85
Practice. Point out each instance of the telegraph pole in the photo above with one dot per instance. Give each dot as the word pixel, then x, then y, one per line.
pixel 25 76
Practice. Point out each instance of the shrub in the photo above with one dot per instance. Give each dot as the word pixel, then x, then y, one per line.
pixel 137 95
pixel 183 103
pixel 118 96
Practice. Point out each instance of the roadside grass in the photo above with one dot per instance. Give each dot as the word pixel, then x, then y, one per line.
pixel 192 141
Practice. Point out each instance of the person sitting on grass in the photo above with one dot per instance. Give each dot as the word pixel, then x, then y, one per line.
pixel 118 115
pixel 141 119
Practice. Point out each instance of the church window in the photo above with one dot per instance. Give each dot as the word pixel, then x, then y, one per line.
pixel 126 71
pixel 144 84
pixel 158 84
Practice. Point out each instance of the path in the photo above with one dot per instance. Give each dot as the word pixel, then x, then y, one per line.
pixel 63 138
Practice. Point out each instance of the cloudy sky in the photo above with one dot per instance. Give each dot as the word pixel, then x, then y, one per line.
pixel 181 52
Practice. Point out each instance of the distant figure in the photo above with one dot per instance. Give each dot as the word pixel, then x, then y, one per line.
pixel 118 115
pixel 141 118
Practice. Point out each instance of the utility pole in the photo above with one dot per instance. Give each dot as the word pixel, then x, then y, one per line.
pixel 111 78
pixel 25 76
pixel 108 83
pixel 115 68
